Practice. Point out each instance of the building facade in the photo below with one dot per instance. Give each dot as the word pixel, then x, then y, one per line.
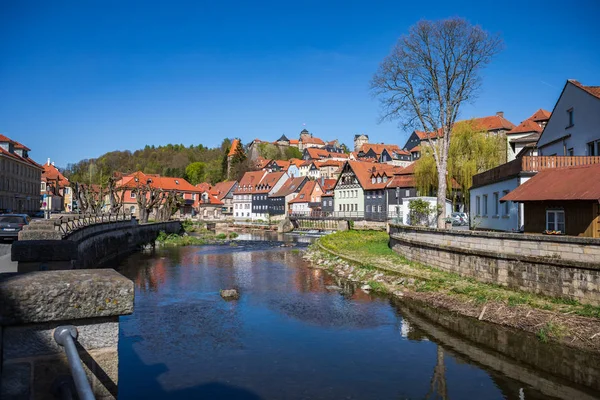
pixel 20 178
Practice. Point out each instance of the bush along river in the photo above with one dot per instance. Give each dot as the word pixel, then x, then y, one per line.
pixel 298 332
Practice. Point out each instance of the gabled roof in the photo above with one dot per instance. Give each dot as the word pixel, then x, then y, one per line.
pixel 593 90
pixel 222 188
pixel 415 149
pixel 378 148
pixel 569 183
pixel 328 163
pixel 268 181
pixel 212 200
pixel 290 186
pixel 526 126
pixel 296 161
pixel 364 171
pixel 491 123
pixel 540 115
pixel 249 182
pixel 205 187
pixel 305 193
pixel 51 173
pixel 233 148
pixel 261 162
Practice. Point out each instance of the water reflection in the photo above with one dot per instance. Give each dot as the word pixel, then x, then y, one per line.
pixel 296 333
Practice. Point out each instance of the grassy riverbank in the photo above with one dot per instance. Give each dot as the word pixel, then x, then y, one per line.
pixel 551 319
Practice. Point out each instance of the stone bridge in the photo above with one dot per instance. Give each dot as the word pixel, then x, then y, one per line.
pixel 333 221
pixel 48 245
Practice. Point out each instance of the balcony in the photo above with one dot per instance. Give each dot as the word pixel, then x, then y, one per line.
pixel 530 165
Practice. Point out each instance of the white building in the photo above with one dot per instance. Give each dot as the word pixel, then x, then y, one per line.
pixel 242 196
pixel 574 127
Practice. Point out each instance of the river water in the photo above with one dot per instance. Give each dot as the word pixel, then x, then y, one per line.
pixel 301 333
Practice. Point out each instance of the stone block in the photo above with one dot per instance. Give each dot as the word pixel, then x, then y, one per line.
pixel 47 369
pixel 106 373
pixel 53 249
pixel 37 339
pixel 15 381
pixel 64 295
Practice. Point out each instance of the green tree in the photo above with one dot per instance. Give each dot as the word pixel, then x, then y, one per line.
pixel 472 151
pixel 195 172
pixel 269 151
pixel 292 152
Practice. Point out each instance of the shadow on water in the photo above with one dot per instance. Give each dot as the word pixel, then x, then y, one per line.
pixel 299 333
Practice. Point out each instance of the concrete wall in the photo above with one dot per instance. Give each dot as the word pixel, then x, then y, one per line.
pixel 90 247
pixel 550 265
pixel 34 304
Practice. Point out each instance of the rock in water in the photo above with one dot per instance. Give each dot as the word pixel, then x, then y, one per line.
pixel 333 287
pixel 230 294
pixel 366 288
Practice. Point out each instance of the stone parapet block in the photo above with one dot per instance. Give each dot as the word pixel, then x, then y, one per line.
pixel 43 250
pixel 46 296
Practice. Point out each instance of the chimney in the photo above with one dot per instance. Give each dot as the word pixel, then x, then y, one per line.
pixel 48 160
pixel 500 114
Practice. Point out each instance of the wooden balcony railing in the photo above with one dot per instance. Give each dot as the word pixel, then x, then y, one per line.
pixel 531 164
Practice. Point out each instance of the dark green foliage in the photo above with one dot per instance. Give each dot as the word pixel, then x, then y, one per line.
pixel 169 160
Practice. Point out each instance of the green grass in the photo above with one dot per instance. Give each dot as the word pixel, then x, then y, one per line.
pixel 377 286
pixel 188 240
pixel 372 250
pixel 550 330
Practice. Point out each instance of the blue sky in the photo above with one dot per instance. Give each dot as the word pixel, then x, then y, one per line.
pixel 80 78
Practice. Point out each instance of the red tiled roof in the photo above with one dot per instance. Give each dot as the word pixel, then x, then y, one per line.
pixel 261 162
pixel 328 184
pixel 160 182
pixel 312 140
pixel 593 90
pixel 249 181
pixel 415 149
pixel 365 171
pixel 51 173
pixel 491 123
pixel 569 183
pixel 268 181
pixel 293 141
pixel 526 126
pixel 378 148
pixel 205 187
pixel 402 181
pixel 233 149
pixel 290 186
pixel 305 193
pixel 328 163
pixel 297 162
pixel 540 115
pixel 315 153
pixel 222 188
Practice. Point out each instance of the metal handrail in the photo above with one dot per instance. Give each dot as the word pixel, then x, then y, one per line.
pixel 69 224
pixel 65 336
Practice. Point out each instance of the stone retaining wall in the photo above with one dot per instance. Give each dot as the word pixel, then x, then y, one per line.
pixel 33 305
pixel 90 247
pixel 557 266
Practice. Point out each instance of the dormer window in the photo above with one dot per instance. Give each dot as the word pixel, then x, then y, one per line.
pixel 176 182
pixel 373 180
pixel 385 178
pixel 378 179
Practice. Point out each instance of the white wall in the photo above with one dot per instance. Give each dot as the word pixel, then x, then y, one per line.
pixel 586 123
pixel 502 222
pixel 405 211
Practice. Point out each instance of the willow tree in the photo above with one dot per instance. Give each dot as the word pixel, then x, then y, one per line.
pixel 472 150
pixel 428 75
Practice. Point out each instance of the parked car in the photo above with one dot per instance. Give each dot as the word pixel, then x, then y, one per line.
pixel 39 214
pixel 459 218
pixel 12 224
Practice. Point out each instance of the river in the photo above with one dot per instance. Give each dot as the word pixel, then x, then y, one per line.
pixel 301 333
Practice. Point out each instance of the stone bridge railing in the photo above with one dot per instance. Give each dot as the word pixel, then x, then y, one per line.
pixel 42 247
pixel 64 225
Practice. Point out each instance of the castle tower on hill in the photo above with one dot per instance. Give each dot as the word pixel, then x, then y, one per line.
pixel 359 140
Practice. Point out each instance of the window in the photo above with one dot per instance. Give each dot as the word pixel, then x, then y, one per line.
pixel 485 209
pixel 555 220
pixel 330 203
pixel 373 180
pixel 378 179
pixel 593 148
pixel 132 195
pixel 570 152
pixel 496 204
pixel 505 207
pixel 368 208
pixel 385 178
pixel 570 115
pixel 378 208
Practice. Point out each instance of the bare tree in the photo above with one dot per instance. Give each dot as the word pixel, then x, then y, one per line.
pixel 438 379
pixel 115 196
pixel 90 198
pixel 427 76
pixel 169 206
pixel 147 198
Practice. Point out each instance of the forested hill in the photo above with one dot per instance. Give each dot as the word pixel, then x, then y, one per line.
pixel 195 163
